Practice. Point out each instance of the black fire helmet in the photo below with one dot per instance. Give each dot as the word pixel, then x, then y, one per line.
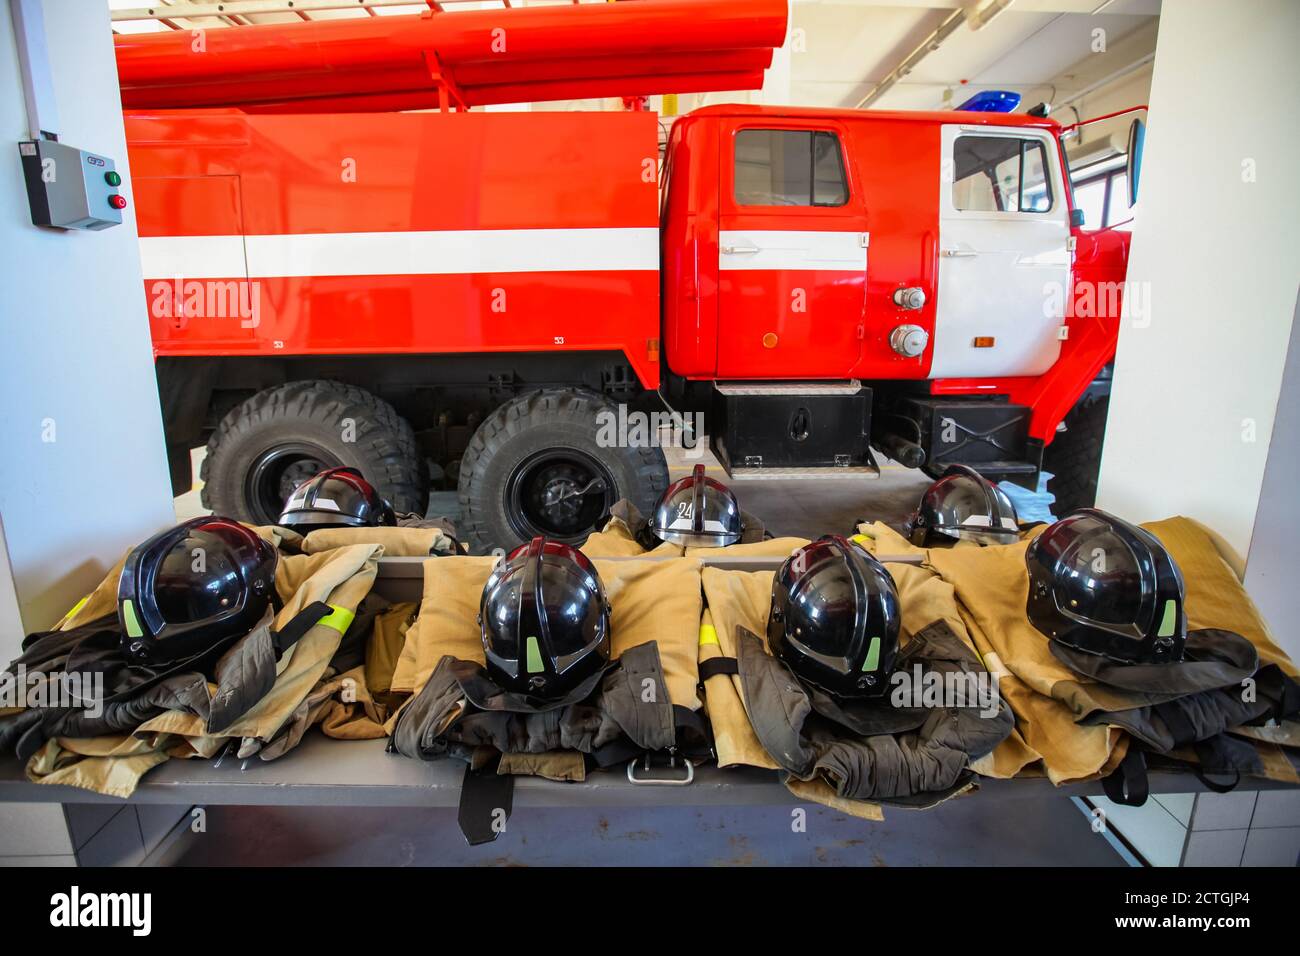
pixel 336 498
pixel 698 511
pixel 1103 586
pixel 964 504
pixel 201 584
pixel 835 618
pixel 544 620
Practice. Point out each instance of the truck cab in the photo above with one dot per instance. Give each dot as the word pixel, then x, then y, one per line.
pixel 915 270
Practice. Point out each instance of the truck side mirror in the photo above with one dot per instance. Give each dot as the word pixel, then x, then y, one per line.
pixel 1076 218
pixel 1137 133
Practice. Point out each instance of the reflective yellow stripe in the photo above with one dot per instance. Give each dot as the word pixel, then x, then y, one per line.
pixel 708 634
pixel 873 655
pixel 533 656
pixel 133 628
pixel 340 619
pixel 75 608
pixel 1169 622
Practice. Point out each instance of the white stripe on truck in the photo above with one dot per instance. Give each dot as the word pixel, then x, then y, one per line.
pixel 784 250
pixel 449 252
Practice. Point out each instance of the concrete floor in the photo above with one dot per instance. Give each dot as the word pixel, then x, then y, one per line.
pixel 966 831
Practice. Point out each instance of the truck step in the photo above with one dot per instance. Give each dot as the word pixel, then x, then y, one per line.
pixel 788 389
pixel 1004 469
pixel 861 472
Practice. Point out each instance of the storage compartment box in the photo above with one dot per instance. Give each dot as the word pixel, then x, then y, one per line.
pixel 792 426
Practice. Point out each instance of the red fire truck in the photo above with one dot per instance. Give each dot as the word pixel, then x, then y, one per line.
pixel 474 297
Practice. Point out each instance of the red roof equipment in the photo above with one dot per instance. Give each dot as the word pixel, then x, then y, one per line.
pixel 461 59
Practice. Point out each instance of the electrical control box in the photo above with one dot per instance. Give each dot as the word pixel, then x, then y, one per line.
pixel 69 188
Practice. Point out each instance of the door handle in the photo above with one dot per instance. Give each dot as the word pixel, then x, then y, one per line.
pixel 957 253
pixel 740 250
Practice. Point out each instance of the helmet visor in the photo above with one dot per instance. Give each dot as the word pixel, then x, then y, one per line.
pixel 980 534
pixel 196 580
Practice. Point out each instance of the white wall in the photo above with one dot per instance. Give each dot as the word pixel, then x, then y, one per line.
pixel 76 349
pixel 1217 244
pixel 1275 545
pixel 1070 103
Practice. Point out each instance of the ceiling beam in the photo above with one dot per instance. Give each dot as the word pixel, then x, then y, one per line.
pixel 946 28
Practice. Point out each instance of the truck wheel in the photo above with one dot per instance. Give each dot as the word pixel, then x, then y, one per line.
pixel 534 468
pixel 279 438
pixel 1074 457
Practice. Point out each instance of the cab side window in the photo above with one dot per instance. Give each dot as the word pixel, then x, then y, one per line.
pixel 781 167
pixel 1000 174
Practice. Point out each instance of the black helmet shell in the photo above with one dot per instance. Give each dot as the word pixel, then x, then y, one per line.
pixel 835 618
pixel 698 511
pixel 336 498
pixel 544 620
pixel 964 504
pixel 193 588
pixel 1103 586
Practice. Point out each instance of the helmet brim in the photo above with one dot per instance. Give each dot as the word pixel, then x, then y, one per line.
pixel 980 534
pixel 321 518
pixel 691 540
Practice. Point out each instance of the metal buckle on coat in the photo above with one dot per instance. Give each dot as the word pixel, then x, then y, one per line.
pixel 225 751
pixel 673 764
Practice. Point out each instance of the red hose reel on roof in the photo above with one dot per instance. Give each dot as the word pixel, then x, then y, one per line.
pixel 461 58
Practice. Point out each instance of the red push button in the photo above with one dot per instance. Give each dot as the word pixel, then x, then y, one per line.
pixel 116 201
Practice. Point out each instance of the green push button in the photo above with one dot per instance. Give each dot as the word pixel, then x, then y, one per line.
pixel 112 178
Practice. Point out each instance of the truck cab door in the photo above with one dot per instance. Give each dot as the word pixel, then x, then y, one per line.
pixel 1004 253
pixel 792 252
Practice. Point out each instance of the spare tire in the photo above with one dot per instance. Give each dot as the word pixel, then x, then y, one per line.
pixel 534 467
pixel 274 441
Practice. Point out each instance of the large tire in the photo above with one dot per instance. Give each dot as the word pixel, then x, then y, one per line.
pixel 1074 458
pixel 541 443
pixel 263 448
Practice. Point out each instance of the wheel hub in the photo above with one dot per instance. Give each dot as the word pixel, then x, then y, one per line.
pixel 561 499
pixel 559 494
